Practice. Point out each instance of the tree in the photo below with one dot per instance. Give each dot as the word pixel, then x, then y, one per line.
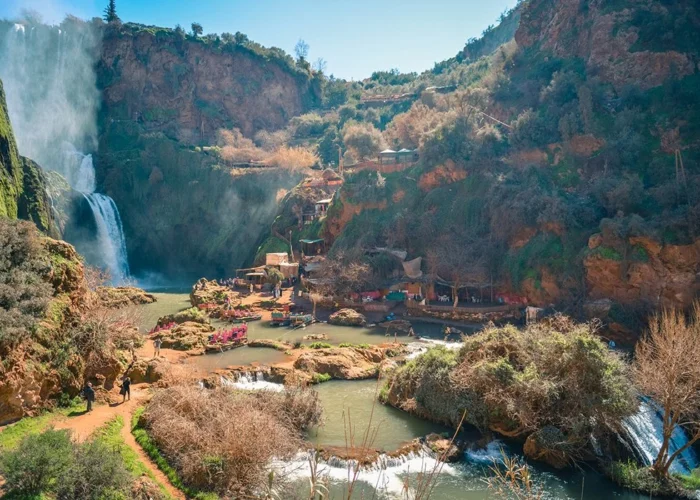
pixel 667 369
pixel 460 264
pixel 320 65
pixel 301 49
pixel 197 29
pixel 111 12
pixel 364 140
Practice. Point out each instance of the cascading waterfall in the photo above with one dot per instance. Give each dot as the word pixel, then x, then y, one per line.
pixel 52 98
pixel 251 382
pixel 645 428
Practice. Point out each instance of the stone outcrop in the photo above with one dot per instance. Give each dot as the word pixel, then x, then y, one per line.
pixel 443 447
pixel 149 371
pixel 271 344
pixel 117 297
pixel 642 270
pixel 187 336
pixel 347 317
pixel 345 363
pixel 548 445
pixel 610 39
pixel 210 292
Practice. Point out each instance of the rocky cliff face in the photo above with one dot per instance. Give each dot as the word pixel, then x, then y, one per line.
pixel 22 183
pixel 190 88
pixel 618 40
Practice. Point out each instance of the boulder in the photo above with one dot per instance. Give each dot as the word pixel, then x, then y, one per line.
pixel 192 315
pixel 347 317
pixel 345 363
pixel 185 337
pixel 149 371
pixel 443 447
pixel 210 292
pixel 271 344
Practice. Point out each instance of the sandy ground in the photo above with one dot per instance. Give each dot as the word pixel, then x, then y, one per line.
pixel 84 424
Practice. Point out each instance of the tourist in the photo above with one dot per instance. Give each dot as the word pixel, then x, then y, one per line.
pixel 89 394
pixel 156 345
pixel 126 389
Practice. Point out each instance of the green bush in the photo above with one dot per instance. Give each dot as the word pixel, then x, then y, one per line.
pixel 320 345
pixel 319 378
pixel 97 473
pixel 38 462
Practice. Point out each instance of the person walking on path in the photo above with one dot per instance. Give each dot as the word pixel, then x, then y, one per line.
pixel 156 345
pixel 89 394
pixel 126 389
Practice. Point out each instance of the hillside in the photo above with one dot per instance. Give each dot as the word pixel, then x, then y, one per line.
pixel 564 165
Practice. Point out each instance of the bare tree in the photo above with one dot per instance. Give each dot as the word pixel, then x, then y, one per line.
pixel 301 49
pixel 342 275
pixel 667 369
pixel 458 263
pixel 320 65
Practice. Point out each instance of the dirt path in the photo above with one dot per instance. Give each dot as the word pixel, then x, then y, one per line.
pixel 83 425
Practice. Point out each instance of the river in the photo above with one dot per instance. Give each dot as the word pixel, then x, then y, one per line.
pixel 354 402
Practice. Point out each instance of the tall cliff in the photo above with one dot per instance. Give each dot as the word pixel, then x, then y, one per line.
pixel 164 95
pixel 22 183
pixel 188 88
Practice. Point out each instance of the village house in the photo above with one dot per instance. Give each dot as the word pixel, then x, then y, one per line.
pixel 403 156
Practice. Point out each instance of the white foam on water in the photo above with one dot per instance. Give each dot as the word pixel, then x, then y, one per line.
pixel 386 474
pixel 493 453
pixel 252 382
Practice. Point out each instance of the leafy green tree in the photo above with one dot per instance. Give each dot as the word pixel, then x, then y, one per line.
pixel 197 29
pixel 111 12
pixel 328 146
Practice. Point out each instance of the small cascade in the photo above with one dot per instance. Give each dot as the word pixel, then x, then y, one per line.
pixel 386 473
pixel 645 428
pixel 253 381
pixel 417 348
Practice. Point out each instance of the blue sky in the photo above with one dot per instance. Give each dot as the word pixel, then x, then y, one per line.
pixel 355 37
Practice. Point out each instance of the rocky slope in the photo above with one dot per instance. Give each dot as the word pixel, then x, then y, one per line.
pixel 189 88
pixel 565 165
pixel 22 182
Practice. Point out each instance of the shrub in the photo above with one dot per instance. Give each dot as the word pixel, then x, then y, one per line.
pixel 320 345
pixel 319 378
pixel 24 294
pixel 363 140
pixel 222 440
pixel 37 463
pixel 97 472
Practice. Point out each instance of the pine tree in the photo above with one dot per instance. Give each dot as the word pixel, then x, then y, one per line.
pixel 111 12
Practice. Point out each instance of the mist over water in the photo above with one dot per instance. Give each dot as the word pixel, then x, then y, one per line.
pixel 48 73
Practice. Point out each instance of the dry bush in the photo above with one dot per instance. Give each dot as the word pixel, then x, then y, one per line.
pixel 410 129
pixel 298 408
pixel 293 158
pixel 271 141
pixel 234 147
pixel 222 440
pixel 363 140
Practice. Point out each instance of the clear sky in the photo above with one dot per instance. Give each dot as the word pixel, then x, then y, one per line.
pixel 355 37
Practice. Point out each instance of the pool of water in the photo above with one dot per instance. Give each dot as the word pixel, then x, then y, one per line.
pixel 351 407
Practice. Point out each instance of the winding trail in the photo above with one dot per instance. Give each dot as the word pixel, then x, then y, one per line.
pixel 82 425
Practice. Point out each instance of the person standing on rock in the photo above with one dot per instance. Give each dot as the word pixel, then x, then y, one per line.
pixel 89 394
pixel 126 389
pixel 156 345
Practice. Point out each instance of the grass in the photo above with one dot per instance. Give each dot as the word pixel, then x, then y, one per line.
pixel 319 378
pixel 320 345
pixel 11 436
pixel 150 448
pixel 690 481
pixel 110 434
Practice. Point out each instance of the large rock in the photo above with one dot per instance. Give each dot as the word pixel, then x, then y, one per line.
pixel 210 292
pixel 345 363
pixel 148 370
pixel 185 337
pixel 117 297
pixel 347 317
pixel 443 447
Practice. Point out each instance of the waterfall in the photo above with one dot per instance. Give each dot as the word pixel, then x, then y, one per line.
pixel 645 428
pixel 52 98
pixel 251 382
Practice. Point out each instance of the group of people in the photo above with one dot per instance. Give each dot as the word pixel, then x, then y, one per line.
pixel 89 393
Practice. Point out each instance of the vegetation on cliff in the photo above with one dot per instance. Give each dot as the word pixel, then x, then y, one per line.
pixel 22 183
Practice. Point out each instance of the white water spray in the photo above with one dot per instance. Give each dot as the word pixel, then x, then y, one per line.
pixel 52 97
